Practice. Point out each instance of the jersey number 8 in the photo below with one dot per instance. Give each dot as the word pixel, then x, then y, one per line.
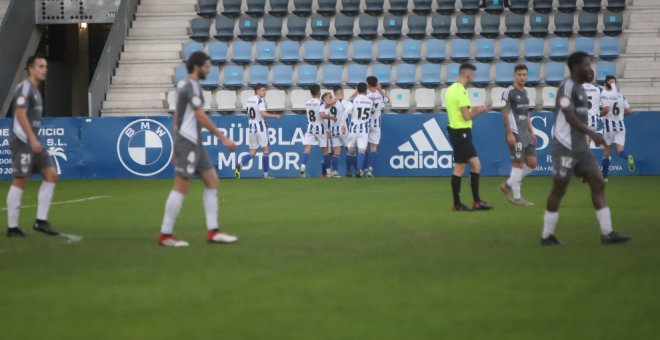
pixel 312 115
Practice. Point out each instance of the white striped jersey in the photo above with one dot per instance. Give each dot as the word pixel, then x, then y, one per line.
pixel 613 120
pixel 379 103
pixel 253 108
pixel 335 110
pixel 315 125
pixel 595 103
pixel 360 110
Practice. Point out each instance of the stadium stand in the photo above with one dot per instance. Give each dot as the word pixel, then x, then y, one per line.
pixel 231 8
pixel 327 7
pixel 350 7
pixel 256 8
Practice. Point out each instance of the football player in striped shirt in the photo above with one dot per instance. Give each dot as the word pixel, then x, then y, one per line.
pixel 596 109
pixel 255 108
pixel 360 110
pixel 316 128
pixel 376 94
pixel 338 138
pixel 614 129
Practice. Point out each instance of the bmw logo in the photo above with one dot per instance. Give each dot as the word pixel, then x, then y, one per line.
pixel 145 147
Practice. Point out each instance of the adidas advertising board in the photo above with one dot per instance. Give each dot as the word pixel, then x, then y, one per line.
pixel 411 145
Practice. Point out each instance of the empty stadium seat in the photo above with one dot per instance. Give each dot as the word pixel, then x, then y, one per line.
pixel 451 73
pixel 417 26
pixel 275 100
pixel 392 26
pixel 320 27
pixel 344 26
pixel 534 49
pixel 302 7
pixel 558 48
pixel 477 96
pixel 208 100
pixel 465 26
pixel 307 75
pixel 405 75
pixel 272 28
pixel 446 7
pixel 470 6
pixel 373 7
pixel 460 50
pixel 425 99
pixel 247 28
pixel 604 69
pixel 490 25
pixel 327 7
pixel 282 76
pixel 180 73
pixel 538 25
pixel 549 95
pixel 482 75
pixel 241 52
pixel 265 52
pixel 338 51
pixel 350 7
pixel 441 26
pixel 592 6
pixel 567 6
pixel 515 24
pixel 609 48
pixel 200 28
pixel 332 75
pixel 504 74
pixel 613 23
pixel 278 7
pixel 382 72
pixel 313 53
pixel 564 24
pixel 207 8
pixel 368 27
pixel 298 99
pixel 555 72
pixel 243 97
pixel 362 50
pixel 510 49
pixel 533 74
pixel 211 81
pixel 289 51
pixel 225 100
pixel 430 75
pixel 257 74
pixel 224 28
pixel 399 99
pixel 585 44
pixel 588 24
pixel 412 50
pixel 356 73
pixel 386 51
pixel 496 101
pixel 543 6
pixel 398 7
pixel 190 48
pixel 256 8
pixel 519 6
pixel 531 94
pixel 616 5
pixel 494 6
pixel 435 50
pixel 485 50
pixel 422 7
pixel 231 8
pixel 296 27
pixel 218 52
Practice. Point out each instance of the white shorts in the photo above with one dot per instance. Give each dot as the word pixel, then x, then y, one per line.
pixel 359 140
pixel 341 140
pixel 618 137
pixel 374 135
pixel 316 139
pixel 258 140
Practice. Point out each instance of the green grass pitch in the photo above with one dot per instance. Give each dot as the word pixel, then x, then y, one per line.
pixel 378 258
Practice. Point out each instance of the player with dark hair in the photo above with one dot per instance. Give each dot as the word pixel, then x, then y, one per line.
pixel 359 108
pixel 190 157
pixel 338 137
pixel 379 97
pixel 571 153
pixel 316 129
pixel 614 128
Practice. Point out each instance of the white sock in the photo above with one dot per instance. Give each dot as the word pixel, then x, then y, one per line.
pixel 211 208
pixel 526 170
pixel 46 191
pixel 172 209
pixel 605 220
pixel 14 197
pixel 549 223
pixel 514 181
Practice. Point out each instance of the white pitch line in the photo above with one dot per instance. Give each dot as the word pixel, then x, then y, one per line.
pixel 64 202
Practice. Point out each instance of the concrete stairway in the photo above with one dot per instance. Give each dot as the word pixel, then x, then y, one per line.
pixel 152 51
pixel 4 4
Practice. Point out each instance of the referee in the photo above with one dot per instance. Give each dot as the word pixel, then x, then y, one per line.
pixel 461 114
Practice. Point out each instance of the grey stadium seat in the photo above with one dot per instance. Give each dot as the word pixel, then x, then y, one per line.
pixel 200 28
pixel 344 26
pixel 538 25
pixel 616 5
pixel 613 23
pixel 398 7
pixel 588 24
pixel 327 7
pixel 373 7
pixel 422 7
pixel 564 24
pixel 519 6
pixel 224 28
pixel 272 28
pixel 231 8
pixel 247 28
pixel 350 7
pixel 470 6
pixel 368 27
pixel 278 8
pixel 446 6
pixel 296 26
pixel 320 27
pixel 441 25
pixel 567 6
pixel 592 6
pixel 515 25
pixel 543 6
pixel 302 8
pixel 465 26
pixel 207 8
pixel 417 26
pixel 256 8
pixel 490 25
pixel 494 6
pixel 392 25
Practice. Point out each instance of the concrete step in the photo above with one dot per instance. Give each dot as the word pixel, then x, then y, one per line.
pixel 158 24
pixel 643 73
pixel 151 55
pixel 137 104
pixel 158 32
pixel 147 71
pixel 141 87
pixel 162 47
pixel 643 65
pixel 166 8
pixel 169 2
pixel 144 80
pixel 641 91
pixel 134 113
pixel 637 3
pixel 116 96
pixel 159 39
pixel 648 49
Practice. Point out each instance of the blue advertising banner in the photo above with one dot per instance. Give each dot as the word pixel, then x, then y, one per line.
pixel 411 145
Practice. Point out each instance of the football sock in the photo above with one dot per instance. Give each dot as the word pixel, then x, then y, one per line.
pixel 515 181
pixel 14 197
pixel 335 162
pixel 549 223
pixel 327 162
pixel 474 183
pixel 303 158
pixel 623 154
pixel 456 189
pixel 172 208
pixel 605 220
pixel 211 208
pixel 526 171
pixel 265 163
pixel 372 159
pixel 367 155
pixel 45 197
pixel 360 161
pixel 246 159
pixel 606 165
pixel 350 162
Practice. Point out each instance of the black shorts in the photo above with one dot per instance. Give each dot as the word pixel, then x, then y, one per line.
pixel 461 142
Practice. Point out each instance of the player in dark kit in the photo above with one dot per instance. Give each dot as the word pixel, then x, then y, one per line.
pixel 571 153
pixel 28 154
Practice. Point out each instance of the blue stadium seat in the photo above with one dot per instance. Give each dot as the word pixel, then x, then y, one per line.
pixel 373 7
pixel 431 75
pixel 327 7
pixel 538 25
pixel 392 25
pixel 543 6
pixel 515 24
pixel 485 50
pixel 232 8
pixel 555 72
pixel 592 6
pixel 190 48
pixel 585 44
pixel 465 26
pixel 211 81
pixel 533 74
pixel 470 6
pixel 609 48
pixel 338 51
pixel 564 24
pixel 282 76
pixel 200 28
pixel 510 49
pixel 332 75
pixel 207 8
pixel 451 73
pixel 460 50
pixel 482 75
pixel 278 8
pixel 265 52
pixel 534 49
pixel 422 7
pixel 224 28
pixel 613 23
pixel 272 28
pixel 258 74
pixel 247 28
pixel 356 73
pixel 180 74
pixel 435 50
pixel 519 6
pixel 302 8
pixel 386 51
pixel 417 26
pixel 320 27
pixel 382 72
pixel 604 69
pixel 218 52
pixel 296 26
pixel 398 7
pixel 241 52
pixel 344 26
pixel 307 75
pixel 588 24
pixel 504 74
pixel 256 8
pixel 446 7
pixel 412 50
pixel 362 51
pixel 350 7
pixel 616 5
pixel 494 6
pixel 368 27
pixel 313 51
pixel 289 51
pixel 567 6
pixel 558 48
pixel 405 75
pixel 490 25
pixel 441 26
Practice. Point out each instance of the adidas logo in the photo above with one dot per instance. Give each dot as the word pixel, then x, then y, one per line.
pixel 428 149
